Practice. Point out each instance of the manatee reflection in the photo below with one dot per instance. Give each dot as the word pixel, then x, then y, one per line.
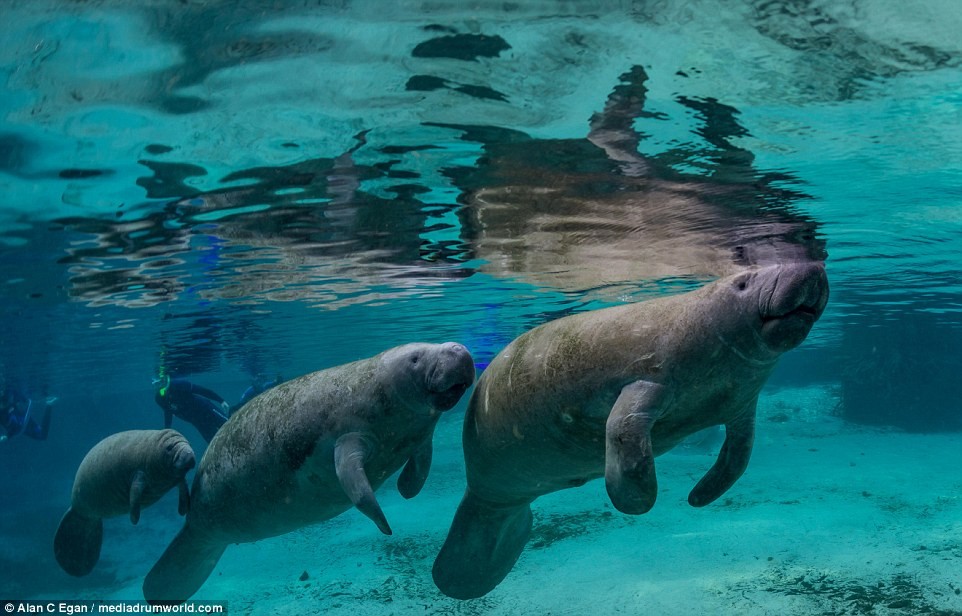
pixel 588 214
pixel 578 215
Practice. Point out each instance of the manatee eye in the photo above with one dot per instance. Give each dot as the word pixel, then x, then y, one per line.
pixel 741 283
pixel 415 358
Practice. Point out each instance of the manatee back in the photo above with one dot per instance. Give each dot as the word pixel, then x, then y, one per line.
pixel 278 449
pixel 542 404
pixel 270 469
pixel 580 361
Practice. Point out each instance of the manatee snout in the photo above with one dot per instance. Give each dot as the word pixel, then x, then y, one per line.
pixel 180 457
pixel 453 374
pixel 794 297
pixel 798 287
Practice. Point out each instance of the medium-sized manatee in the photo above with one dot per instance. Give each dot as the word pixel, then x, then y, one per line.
pixel 604 392
pixel 307 450
pixel 123 473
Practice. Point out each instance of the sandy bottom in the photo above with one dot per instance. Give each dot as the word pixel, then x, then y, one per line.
pixel 829 519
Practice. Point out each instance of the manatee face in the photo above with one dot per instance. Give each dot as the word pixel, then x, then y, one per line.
pixel 178 455
pixel 451 376
pixel 438 374
pixel 786 301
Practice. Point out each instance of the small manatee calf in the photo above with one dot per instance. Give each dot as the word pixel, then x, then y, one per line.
pixel 122 474
pixel 602 393
pixel 307 450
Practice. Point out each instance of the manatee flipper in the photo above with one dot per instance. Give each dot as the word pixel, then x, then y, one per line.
pixel 137 487
pixel 183 497
pixel 349 453
pixel 732 460
pixel 182 569
pixel 629 460
pixel 482 546
pixel 77 543
pixel 415 472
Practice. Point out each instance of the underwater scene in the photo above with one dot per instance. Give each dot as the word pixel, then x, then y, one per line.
pixel 469 308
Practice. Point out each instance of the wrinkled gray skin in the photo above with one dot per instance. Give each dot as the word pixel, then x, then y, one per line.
pixel 307 450
pixel 603 393
pixel 120 475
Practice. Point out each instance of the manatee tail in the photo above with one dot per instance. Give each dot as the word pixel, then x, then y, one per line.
pixel 182 569
pixel 77 543
pixel 483 544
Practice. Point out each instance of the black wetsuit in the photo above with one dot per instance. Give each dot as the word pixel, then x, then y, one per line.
pixel 15 418
pixel 197 405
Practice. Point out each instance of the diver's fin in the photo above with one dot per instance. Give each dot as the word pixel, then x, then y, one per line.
pixel 629 460
pixel 182 569
pixel 77 543
pixel 732 460
pixel 415 472
pixel 349 454
pixel 137 486
pixel 481 548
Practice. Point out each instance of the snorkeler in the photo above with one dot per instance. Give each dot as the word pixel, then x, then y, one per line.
pixel 259 386
pixel 15 417
pixel 198 406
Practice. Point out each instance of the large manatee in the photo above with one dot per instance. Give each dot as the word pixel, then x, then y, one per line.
pixel 307 450
pixel 603 393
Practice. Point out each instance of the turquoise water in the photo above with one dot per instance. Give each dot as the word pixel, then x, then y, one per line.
pixel 218 190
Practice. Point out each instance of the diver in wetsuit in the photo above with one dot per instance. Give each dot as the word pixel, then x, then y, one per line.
pixel 199 406
pixel 15 417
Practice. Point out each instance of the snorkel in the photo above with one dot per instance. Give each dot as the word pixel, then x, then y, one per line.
pixel 164 381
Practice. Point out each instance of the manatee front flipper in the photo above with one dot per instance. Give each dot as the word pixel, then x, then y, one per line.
pixel 349 453
pixel 415 472
pixel 77 543
pixel 482 546
pixel 137 487
pixel 732 460
pixel 629 459
pixel 182 569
